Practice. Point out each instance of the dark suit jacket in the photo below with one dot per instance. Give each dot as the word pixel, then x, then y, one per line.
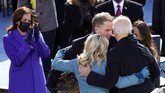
pixel 158 21
pixel 131 9
pixel 143 2
pixel 126 58
pixel 78 45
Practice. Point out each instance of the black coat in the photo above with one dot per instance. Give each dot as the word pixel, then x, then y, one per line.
pixel 131 9
pixel 78 45
pixel 72 19
pixel 143 2
pixel 124 59
pixel 158 21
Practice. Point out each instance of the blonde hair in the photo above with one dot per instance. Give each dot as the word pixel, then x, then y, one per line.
pixel 95 50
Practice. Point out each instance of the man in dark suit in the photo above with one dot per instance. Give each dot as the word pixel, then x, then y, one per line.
pixel 158 21
pixel 128 8
pixel 102 24
pixel 125 58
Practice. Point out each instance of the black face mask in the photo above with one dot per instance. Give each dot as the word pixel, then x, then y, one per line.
pixel 24 26
pixel 117 1
pixel 83 1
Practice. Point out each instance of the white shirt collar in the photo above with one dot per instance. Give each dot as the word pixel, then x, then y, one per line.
pixel 115 5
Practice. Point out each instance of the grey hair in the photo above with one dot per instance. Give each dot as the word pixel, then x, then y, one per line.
pixel 122 25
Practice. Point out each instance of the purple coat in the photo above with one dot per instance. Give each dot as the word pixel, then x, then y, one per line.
pixel 26 72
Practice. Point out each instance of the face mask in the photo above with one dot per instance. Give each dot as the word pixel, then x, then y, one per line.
pixel 83 1
pixel 117 1
pixel 24 26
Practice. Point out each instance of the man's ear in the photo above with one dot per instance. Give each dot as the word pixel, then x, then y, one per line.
pixel 96 29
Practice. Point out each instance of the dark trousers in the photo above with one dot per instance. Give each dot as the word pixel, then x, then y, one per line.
pixel 52 80
pixel 14 4
pixel 49 38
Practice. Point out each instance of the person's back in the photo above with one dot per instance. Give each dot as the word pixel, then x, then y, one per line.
pixel 94 54
pixel 102 22
pixel 125 58
pixel 132 61
pixel 83 86
pixel 78 45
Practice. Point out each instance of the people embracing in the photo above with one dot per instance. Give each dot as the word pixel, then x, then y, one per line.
pixel 94 54
pixel 128 56
pixel 102 25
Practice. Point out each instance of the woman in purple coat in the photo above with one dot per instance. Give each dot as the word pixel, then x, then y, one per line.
pixel 24 45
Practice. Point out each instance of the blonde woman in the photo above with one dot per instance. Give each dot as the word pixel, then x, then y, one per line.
pixel 94 54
